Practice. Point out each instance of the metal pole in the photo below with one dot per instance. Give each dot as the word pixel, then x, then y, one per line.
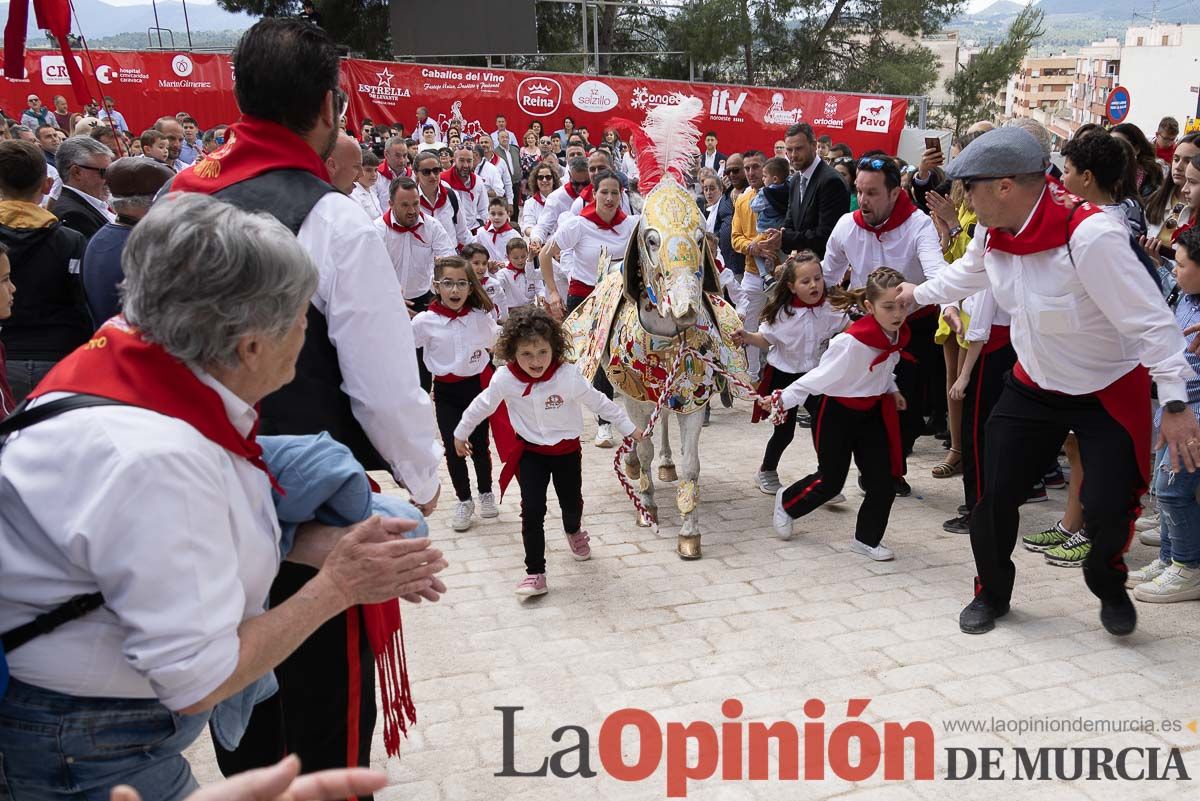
pixel 922 110
pixel 596 34
pixel 186 24
pixel 583 30
pixel 154 5
pixel 691 69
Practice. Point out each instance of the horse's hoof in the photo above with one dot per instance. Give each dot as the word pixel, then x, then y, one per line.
pixel 633 470
pixel 688 546
pixel 666 472
pixel 648 519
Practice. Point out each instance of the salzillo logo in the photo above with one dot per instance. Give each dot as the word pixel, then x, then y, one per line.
pixel 594 96
pixel 874 114
pixel 54 70
pixel 182 65
pixel 540 96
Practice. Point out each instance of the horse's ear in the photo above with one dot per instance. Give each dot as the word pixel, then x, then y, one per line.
pixel 631 267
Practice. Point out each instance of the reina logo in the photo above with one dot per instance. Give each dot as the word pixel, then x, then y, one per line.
pixel 539 96
pixel 874 114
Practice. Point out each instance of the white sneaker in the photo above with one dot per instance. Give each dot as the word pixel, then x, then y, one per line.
pixel 1153 537
pixel 1147 522
pixel 880 553
pixel 767 481
pixel 462 515
pixel 1176 583
pixel 487 505
pixel 836 499
pixel 1148 573
pixel 604 437
pixel 781 520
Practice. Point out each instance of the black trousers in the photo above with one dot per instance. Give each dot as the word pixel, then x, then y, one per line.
pixel 325 708
pixel 921 382
pixel 841 432
pixel 1025 429
pixel 601 381
pixel 534 475
pixel 450 400
pixel 783 434
pixel 983 392
pixel 420 304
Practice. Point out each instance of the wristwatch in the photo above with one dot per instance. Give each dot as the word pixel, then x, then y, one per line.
pixel 955 231
pixel 1175 406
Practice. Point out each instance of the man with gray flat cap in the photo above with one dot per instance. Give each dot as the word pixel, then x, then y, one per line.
pixel 133 183
pixel 1091 330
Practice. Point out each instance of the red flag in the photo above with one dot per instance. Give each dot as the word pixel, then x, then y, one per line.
pixel 54 16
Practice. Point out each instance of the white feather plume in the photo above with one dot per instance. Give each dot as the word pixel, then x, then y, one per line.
pixel 672 131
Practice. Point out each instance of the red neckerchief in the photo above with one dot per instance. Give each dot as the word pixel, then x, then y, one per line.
pixel 799 304
pixel 385 170
pixel 529 380
pixel 118 364
pixel 591 214
pixel 903 209
pixel 439 199
pixel 495 232
pixel 516 270
pixel 455 181
pixel 495 159
pixel 252 147
pixel 586 193
pixel 390 222
pixel 868 331
pixel 1181 229
pixel 1050 226
pixel 439 308
pixel 538 197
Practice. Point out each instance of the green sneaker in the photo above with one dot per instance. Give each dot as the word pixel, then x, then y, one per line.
pixel 1071 553
pixel 1045 540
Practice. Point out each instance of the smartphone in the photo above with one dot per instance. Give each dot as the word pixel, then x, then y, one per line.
pixel 933 143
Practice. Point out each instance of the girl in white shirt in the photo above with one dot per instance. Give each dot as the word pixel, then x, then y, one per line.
pixel 480 264
pixel 456 333
pixel 796 326
pixel 543 395
pixel 858 415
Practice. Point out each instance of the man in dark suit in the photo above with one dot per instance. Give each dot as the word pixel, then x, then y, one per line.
pixel 819 195
pixel 83 165
pixel 711 157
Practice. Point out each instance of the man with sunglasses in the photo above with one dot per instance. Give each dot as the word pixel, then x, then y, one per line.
pixel 1091 330
pixel 438 200
pixel 83 167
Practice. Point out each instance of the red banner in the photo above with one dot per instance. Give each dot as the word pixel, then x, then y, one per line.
pixel 742 116
pixel 147 85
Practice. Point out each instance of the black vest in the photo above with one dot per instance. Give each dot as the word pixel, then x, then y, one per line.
pixel 313 402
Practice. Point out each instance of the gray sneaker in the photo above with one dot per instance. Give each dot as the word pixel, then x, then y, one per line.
pixel 462 515
pixel 767 481
pixel 487 505
pixel 1176 583
pixel 1148 573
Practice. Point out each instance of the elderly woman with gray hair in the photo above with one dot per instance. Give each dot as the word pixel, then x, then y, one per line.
pixel 142 515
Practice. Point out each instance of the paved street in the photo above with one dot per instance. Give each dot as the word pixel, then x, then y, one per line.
pixel 772 624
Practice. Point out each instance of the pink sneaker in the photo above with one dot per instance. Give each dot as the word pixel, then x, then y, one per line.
pixel 579 545
pixel 533 584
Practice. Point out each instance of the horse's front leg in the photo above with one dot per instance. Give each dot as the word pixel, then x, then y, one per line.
pixel 687 495
pixel 666 464
pixel 637 464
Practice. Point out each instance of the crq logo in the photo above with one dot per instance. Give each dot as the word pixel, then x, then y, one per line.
pixel 874 114
pixel 54 70
pixel 539 96
pixel 182 65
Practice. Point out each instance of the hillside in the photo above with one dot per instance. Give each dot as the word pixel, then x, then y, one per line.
pixel 1070 23
pixel 99 20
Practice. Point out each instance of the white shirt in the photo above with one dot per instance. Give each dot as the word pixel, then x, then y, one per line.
pixel 984 313
pixel 531 209
pixel 495 291
pixel 177 533
pixel 506 177
pixel 380 188
pixel 413 258
pixel 367 199
pixel 579 242
pixel 550 412
pixel 361 299
pixel 844 372
pixel 456 346
pixel 496 243
pixel 912 249
pixel 474 203
pixel 798 339
pixel 521 288
pixel 557 204
pixel 710 160
pixel 493 176
pixel 99 205
pixel 1076 328
pixel 457 229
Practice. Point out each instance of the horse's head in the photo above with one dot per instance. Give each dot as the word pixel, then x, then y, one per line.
pixel 667 256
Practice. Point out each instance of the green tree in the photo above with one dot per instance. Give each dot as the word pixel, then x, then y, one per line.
pixel 361 26
pixel 975 89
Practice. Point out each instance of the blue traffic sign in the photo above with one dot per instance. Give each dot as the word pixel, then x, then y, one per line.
pixel 1117 104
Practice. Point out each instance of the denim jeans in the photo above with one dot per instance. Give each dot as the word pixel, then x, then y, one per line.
pixel 1178 513
pixel 56 747
pixel 24 375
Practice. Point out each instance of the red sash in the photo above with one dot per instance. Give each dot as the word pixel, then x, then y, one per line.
pixel 868 331
pixel 998 337
pixel 891 423
pixel 508 444
pixel 578 289
pixel 764 389
pixel 252 147
pixel 903 209
pixel 484 376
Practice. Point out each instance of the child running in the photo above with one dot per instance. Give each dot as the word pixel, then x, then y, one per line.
pixel 795 330
pixel 456 332
pixel 543 395
pixel 858 416
pixel 477 257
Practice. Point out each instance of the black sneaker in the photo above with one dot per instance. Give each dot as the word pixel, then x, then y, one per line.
pixel 979 616
pixel 1054 480
pixel 902 488
pixel 1118 617
pixel 963 509
pixel 1037 494
pixel 958 525
pixel 803 419
pixel 945 435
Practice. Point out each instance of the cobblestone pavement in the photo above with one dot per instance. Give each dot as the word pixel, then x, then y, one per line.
pixel 772 624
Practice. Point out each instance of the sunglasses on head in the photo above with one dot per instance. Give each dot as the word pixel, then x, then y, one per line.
pixel 872 163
